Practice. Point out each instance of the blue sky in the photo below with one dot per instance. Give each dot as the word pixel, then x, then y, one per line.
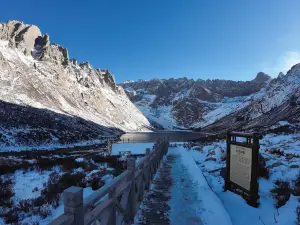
pixel 141 39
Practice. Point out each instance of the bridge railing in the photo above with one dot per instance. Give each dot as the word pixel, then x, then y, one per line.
pixel 118 201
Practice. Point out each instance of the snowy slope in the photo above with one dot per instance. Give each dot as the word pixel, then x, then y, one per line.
pixel 45 79
pixel 279 100
pixel 211 159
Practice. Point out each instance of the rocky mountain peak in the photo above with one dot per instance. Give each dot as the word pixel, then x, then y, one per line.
pixel 85 65
pixel 294 69
pixel 280 75
pixel 20 35
pixel 262 77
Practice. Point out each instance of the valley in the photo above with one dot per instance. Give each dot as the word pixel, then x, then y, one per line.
pixel 59 118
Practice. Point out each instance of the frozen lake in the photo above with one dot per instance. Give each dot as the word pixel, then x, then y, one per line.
pixel 174 136
pixel 137 142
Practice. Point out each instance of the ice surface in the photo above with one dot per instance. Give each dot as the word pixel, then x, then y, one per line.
pixel 134 148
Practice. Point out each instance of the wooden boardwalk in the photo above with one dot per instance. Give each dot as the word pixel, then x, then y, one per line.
pixel 155 208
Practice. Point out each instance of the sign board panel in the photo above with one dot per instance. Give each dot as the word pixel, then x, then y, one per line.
pixel 240 165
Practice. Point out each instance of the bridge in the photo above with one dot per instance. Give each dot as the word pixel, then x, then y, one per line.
pixel 119 201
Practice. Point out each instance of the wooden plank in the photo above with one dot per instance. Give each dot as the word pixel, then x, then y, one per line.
pixel 96 213
pixel 64 219
pixel 97 195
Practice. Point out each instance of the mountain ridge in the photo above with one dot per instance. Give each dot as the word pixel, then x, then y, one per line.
pixel 37 73
pixel 183 99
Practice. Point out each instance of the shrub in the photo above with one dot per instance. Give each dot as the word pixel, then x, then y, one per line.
pixel 6 191
pixel 281 192
pixel 276 152
pixel 57 184
pixel 298 215
pixel 296 186
pixel 263 171
pixel 11 217
pixel 96 183
pixel 27 207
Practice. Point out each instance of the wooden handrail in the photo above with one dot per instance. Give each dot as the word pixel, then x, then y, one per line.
pixel 63 219
pixel 117 201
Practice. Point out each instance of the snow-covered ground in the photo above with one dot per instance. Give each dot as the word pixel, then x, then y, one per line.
pixel 198 184
pixel 210 159
pixel 201 205
pixel 17 148
pixel 29 185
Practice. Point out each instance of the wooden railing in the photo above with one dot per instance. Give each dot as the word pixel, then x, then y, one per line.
pixel 118 201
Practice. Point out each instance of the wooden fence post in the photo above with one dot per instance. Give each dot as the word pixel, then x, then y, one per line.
pixel 147 151
pixel 147 169
pixel 131 167
pixel 73 204
pixel 113 212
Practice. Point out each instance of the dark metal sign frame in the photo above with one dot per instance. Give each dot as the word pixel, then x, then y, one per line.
pixel 251 141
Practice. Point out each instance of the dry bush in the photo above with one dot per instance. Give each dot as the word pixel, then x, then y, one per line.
pixel 58 183
pixel 26 207
pixel 263 171
pixel 296 186
pixel 11 217
pixel 281 192
pixel 96 183
pixel 298 215
pixel 276 151
pixel 6 191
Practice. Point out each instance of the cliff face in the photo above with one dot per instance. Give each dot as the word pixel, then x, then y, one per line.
pixel 38 74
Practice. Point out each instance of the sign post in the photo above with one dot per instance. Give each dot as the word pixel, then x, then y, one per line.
pixel 242 165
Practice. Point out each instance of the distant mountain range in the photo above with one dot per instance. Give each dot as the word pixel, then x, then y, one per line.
pixel 218 105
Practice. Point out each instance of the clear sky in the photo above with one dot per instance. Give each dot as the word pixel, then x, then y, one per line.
pixel 139 39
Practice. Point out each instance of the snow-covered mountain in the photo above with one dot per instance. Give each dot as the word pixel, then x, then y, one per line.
pixel 185 102
pixel 218 105
pixel 278 101
pixel 47 98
